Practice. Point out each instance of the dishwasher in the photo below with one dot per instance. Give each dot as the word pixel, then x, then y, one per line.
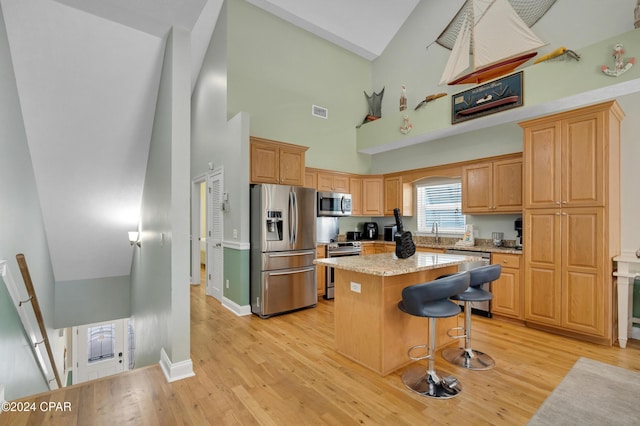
pixel 478 308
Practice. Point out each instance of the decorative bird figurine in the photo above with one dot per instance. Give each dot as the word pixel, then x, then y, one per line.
pixel 429 99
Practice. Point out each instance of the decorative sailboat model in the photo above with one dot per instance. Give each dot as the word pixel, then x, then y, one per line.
pixel 497 38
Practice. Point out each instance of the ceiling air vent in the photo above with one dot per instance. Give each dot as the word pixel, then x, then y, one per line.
pixel 319 111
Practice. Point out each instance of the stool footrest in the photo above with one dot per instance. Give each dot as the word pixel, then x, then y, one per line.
pixel 452 330
pixel 425 347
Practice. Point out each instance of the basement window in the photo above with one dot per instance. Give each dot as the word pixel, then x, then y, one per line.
pixel 439 200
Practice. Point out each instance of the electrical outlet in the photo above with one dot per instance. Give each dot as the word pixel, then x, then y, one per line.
pixel 355 287
pixel 226 283
pixel 235 233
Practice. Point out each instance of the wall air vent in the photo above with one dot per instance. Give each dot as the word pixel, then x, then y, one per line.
pixel 318 111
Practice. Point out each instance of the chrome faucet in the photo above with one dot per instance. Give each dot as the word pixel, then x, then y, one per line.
pixel 434 230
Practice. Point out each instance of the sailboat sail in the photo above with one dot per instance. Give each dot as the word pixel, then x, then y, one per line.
pixel 459 59
pixel 495 33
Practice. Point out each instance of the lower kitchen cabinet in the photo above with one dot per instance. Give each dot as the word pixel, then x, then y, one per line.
pixel 507 290
pixel 567 282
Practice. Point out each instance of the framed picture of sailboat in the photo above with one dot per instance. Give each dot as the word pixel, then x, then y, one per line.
pixel 489 98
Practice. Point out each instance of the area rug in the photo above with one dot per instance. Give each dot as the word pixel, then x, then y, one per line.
pixel 592 393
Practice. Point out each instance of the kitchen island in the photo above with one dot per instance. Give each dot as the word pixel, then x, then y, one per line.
pixel 369 327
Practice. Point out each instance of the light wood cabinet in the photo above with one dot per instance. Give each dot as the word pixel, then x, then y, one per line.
pixel 321 271
pixel 310 179
pixel 507 290
pixel 368 248
pixel 572 220
pixel 277 162
pixel 397 194
pixel 565 276
pixel 566 161
pixel 372 196
pixel 355 186
pixel 431 250
pixel 492 187
pixel 333 182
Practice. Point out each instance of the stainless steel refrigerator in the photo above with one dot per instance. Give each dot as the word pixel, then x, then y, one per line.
pixel 283 247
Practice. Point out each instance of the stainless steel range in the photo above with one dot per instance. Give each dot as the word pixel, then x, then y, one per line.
pixel 335 249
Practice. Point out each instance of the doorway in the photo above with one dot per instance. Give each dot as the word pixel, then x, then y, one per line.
pixel 99 350
pixel 215 206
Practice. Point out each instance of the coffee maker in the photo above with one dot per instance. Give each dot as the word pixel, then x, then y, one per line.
pixel 518 228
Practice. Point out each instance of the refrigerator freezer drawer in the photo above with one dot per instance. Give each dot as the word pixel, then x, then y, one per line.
pixel 286 290
pixel 287 259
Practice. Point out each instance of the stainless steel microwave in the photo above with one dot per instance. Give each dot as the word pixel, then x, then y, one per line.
pixel 334 204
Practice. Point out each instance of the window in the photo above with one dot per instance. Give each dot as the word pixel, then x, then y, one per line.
pixel 101 342
pixel 440 201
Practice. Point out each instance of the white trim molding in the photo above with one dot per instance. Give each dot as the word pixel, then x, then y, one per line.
pixel 239 310
pixel 237 245
pixel 178 371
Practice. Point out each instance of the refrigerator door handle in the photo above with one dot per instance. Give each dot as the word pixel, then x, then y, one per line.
pixel 297 271
pixel 289 254
pixel 293 218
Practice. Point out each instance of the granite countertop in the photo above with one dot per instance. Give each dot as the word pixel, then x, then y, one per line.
pixel 480 246
pixel 387 264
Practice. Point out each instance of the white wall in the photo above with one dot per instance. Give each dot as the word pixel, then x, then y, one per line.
pixel 160 270
pixel 22 231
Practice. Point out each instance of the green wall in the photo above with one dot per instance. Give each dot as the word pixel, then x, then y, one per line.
pixel 277 71
pixel 236 270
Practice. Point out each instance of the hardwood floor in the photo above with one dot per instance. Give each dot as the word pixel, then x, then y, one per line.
pixel 284 371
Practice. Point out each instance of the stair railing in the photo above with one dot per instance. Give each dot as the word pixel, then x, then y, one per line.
pixel 32 320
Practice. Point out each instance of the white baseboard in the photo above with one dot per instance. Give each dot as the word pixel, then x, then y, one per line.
pixel 178 371
pixel 239 310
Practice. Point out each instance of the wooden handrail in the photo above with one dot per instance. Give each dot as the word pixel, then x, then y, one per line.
pixel 31 292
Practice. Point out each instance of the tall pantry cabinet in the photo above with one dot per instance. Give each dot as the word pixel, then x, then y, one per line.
pixel 572 220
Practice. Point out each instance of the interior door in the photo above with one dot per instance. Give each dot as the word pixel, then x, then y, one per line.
pixel 100 350
pixel 214 234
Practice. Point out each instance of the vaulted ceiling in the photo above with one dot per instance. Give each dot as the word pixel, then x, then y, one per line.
pixel 87 73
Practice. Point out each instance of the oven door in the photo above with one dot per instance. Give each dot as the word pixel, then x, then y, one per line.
pixel 329 288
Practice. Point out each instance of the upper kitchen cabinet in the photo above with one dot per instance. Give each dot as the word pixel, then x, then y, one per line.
pixel 355 186
pixel 310 179
pixel 492 187
pixel 277 162
pixel 372 196
pixel 568 157
pixel 397 194
pixel 333 182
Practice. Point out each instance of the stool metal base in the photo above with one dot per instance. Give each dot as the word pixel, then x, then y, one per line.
pixel 421 381
pixel 468 358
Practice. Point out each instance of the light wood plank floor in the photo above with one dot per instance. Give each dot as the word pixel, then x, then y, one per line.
pixel 284 371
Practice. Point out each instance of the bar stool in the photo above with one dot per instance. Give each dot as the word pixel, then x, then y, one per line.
pixel 431 300
pixel 467 357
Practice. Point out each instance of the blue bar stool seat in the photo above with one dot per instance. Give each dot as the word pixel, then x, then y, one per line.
pixel 431 300
pixel 467 357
